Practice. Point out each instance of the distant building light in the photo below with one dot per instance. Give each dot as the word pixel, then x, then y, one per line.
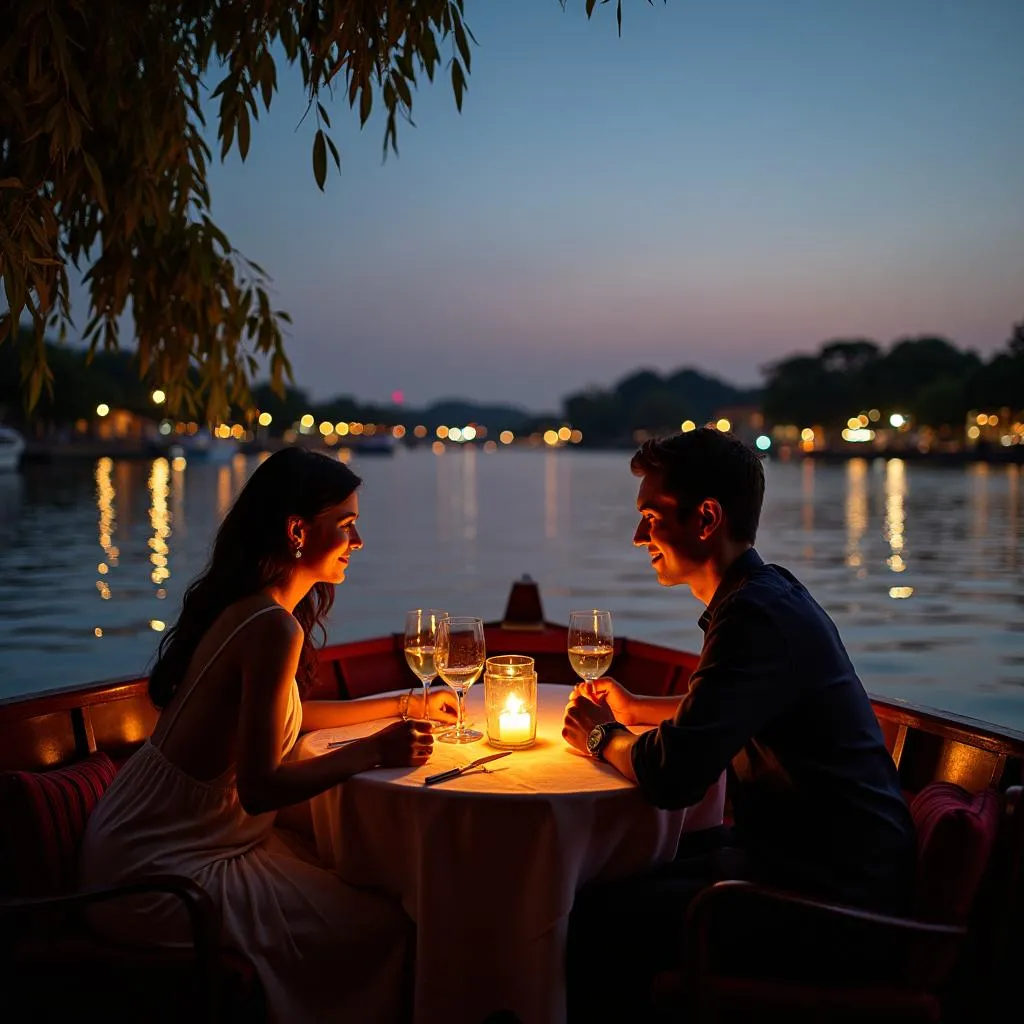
pixel 166 427
pixel 468 433
pixel 723 425
pixel 551 437
pixel 807 434
pixel 858 435
pixel 874 415
pixel 159 397
pixel 576 436
pixel 157 625
pixel 265 419
pixel 764 442
pixel 897 420
pixel 973 433
pixel 307 421
pixel 442 432
pixel 564 433
pixel 687 426
pixel 900 593
pixel 455 434
pixel 341 428
pixel 398 431
pixel 419 430
pixel 506 437
pixel 397 396
pixel 102 409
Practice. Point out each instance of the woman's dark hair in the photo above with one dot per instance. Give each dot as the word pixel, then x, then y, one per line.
pixel 251 551
pixel 708 463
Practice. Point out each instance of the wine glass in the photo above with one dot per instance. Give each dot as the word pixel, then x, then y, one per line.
pixel 459 656
pixel 420 634
pixel 591 643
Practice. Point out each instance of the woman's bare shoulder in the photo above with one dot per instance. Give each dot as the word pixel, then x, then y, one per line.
pixel 256 621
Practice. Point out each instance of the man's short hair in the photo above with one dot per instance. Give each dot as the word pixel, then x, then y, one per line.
pixel 708 463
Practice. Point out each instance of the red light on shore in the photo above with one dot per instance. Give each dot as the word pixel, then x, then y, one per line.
pixel 398 397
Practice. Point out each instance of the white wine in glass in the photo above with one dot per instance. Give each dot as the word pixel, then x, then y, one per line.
pixel 420 638
pixel 459 656
pixel 591 642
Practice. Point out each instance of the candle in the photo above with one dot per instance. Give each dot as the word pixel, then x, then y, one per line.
pixel 514 722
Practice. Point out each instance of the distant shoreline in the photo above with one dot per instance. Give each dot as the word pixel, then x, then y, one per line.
pixel 41 452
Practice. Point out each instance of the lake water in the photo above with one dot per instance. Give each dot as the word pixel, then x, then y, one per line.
pixel 920 567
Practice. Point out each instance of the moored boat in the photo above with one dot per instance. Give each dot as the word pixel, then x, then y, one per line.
pixel 956 948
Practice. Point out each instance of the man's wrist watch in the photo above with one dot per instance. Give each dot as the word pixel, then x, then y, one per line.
pixel 598 738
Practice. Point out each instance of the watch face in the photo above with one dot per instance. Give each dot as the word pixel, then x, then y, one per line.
pixel 595 739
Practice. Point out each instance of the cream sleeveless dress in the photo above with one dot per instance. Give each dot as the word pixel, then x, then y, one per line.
pixel 323 950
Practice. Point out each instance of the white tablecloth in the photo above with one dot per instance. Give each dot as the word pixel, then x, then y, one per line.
pixel 487 864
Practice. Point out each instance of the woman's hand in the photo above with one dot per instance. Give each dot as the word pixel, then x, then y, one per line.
pixel 404 744
pixel 441 706
pixel 610 693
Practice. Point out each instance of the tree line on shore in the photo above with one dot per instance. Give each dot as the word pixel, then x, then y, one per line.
pixel 928 378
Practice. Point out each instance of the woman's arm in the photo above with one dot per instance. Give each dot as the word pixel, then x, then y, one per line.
pixel 265 781
pixel 329 714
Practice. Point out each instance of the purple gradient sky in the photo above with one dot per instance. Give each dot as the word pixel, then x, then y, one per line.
pixel 726 184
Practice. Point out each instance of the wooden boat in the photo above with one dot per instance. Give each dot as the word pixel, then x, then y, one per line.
pixel 955 955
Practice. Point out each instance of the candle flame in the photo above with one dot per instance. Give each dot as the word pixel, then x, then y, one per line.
pixel 513 704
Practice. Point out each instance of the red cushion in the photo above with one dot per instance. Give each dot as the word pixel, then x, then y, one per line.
pixel 42 818
pixel 956 831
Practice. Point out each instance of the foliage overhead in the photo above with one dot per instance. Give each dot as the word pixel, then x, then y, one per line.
pixel 103 163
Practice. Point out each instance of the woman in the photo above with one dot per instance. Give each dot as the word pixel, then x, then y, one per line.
pixel 199 798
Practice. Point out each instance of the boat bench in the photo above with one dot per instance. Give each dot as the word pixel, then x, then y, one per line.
pixel 53 965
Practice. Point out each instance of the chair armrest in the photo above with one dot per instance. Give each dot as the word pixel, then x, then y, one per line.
pixel 203 916
pixel 741 907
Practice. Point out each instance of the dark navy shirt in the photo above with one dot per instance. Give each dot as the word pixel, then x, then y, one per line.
pixel 775 701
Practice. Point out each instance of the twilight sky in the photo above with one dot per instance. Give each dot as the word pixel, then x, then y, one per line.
pixel 727 183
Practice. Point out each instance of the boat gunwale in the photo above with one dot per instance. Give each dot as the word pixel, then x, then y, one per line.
pixel 977 732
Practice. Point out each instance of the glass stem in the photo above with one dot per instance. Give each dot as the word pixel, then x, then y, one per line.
pixel 459 725
pixel 426 691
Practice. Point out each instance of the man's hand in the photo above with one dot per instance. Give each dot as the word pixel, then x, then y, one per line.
pixel 581 715
pixel 607 691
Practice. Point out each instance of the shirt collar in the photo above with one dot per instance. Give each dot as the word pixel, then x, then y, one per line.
pixel 732 579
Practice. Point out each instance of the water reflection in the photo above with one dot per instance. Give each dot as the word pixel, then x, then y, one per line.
pixel 895 516
pixel 107 523
pixel 456 528
pixel 856 513
pixel 223 491
pixel 160 523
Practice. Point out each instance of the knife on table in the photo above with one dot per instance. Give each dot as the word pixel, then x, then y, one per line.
pixel 454 773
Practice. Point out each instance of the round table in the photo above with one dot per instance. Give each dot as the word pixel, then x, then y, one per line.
pixel 488 864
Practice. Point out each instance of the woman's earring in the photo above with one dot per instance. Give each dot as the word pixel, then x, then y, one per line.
pixel 298 550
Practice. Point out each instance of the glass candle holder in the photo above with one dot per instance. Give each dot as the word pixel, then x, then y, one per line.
pixel 510 696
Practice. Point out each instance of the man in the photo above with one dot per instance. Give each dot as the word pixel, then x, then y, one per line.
pixel 774 701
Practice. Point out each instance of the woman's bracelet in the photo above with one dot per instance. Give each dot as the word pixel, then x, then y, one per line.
pixel 403 704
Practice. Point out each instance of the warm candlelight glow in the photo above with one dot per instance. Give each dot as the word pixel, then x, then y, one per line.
pixel 510 696
pixel 514 722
